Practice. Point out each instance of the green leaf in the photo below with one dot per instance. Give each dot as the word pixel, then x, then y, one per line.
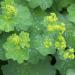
pixel 2 54
pixel 71 11
pixel 70 35
pixel 2 40
pixel 44 4
pixel 15 49
pixel 42 68
pixel 6 25
pixel 7 17
pixel 38 16
pixel 14 15
pixel 38 44
pixel 24 18
pixel 35 56
pixel 63 65
pixel 70 72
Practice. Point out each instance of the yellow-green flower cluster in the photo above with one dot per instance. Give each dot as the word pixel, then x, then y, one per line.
pixel 24 39
pixel 69 54
pixel 20 40
pixel 56 27
pixel 10 9
pixel 52 17
pixel 53 23
pixel 60 43
pixel 14 39
pixel 47 43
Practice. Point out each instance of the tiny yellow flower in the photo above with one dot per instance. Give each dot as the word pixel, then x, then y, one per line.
pixel 47 44
pixel 6 17
pixel 60 44
pixel 66 55
pixel 56 27
pixel 71 56
pixel 71 50
pixel 62 28
pixel 52 17
pixel 10 9
pixel 61 38
pixel 50 28
pixel 63 44
pixel 59 27
pixel 15 39
pixel 57 44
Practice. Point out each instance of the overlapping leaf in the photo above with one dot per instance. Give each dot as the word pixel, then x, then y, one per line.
pixel 42 68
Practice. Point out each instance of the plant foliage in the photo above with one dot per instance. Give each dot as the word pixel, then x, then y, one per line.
pixel 37 37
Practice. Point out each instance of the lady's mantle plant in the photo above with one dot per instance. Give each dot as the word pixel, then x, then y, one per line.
pixel 37 37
